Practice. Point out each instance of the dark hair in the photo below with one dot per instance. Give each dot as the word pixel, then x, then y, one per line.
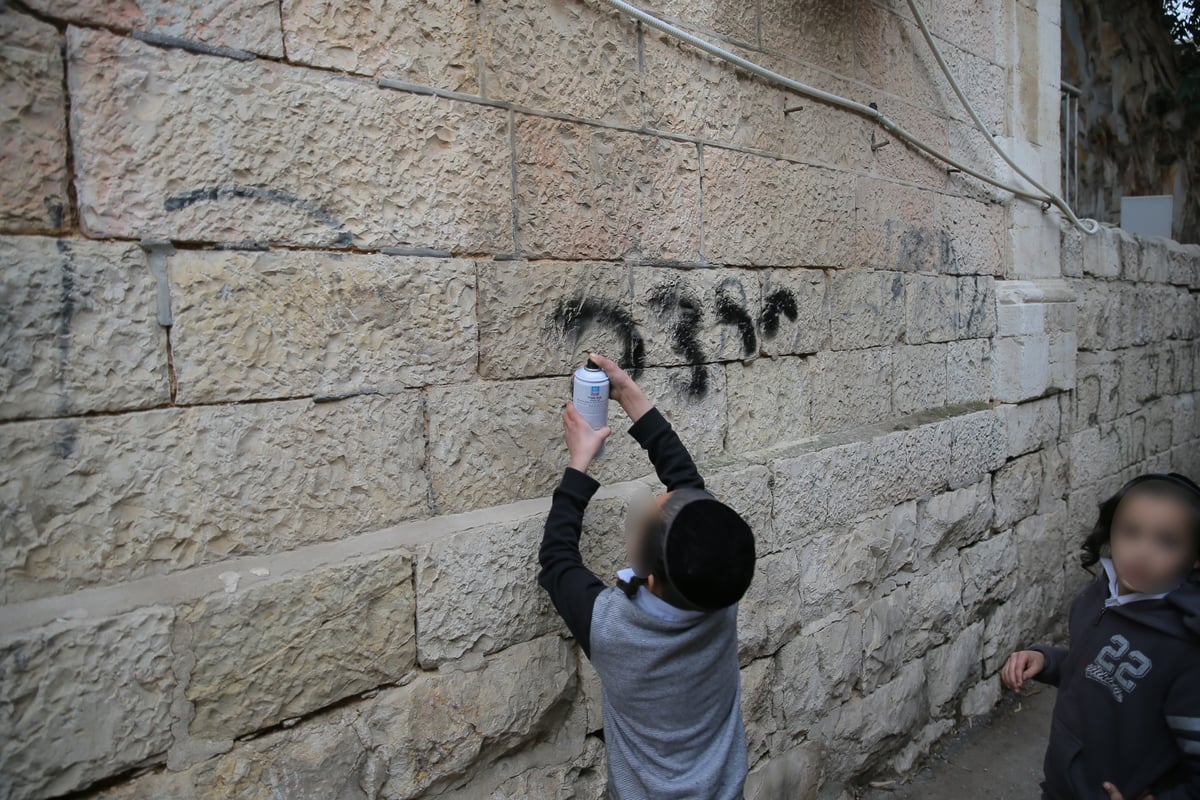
pixel 1163 484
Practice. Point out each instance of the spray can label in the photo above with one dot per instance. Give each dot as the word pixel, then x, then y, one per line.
pixel 591 398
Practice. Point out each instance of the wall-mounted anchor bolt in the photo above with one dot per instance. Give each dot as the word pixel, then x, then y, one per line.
pixel 792 110
pixel 877 146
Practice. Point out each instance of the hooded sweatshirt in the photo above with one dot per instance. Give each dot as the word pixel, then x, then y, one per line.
pixel 671 690
pixel 1128 706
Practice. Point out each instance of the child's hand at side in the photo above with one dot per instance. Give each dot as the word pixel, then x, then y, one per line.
pixel 1021 666
pixel 622 388
pixel 582 442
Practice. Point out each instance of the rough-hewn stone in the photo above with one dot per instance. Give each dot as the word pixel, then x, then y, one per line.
pixel 239 24
pixel 79 323
pixel 585 192
pixel 88 698
pixel 953 519
pixel 867 308
pixel 288 324
pixel 110 498
pixel 989 570
pixel 427 43
pixel 229 151
pixel 573 58
pixel 288 647
pixel 33 126
pixel 804 292
pixel 770 212
pixel 542 318
pixel 396 744
pixel 477 589
pixel 850 388
pixel 769 401
pixel 486 448
pixel 822 664
pixel 919 377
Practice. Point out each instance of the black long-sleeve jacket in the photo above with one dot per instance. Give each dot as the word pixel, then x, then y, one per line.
pixel 572 586
pixel 1128 706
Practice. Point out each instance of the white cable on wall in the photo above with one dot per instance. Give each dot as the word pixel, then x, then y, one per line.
pixel 1045 197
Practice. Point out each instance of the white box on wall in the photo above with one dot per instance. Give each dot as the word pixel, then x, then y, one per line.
pixel 1149 215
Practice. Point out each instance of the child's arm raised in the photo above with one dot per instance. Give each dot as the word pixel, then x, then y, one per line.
pixel 572 586
pixel 670 458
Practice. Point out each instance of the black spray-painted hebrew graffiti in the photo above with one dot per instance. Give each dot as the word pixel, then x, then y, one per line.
pixel 681 313
pixel 212 194
pixel 573 316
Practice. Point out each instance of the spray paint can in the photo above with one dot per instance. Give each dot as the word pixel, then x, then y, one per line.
pixel 591 396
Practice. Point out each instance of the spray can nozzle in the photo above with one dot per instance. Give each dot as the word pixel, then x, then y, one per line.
pixel 591 365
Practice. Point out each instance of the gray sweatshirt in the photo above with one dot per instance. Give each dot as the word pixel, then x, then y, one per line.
pixel 672 702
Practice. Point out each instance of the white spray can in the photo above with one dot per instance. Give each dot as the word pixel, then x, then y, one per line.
pixel 591 396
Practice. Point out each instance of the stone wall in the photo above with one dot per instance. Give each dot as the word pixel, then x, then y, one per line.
pixel 290 295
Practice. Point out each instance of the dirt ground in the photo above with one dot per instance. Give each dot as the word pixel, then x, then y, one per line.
pixel 1000 760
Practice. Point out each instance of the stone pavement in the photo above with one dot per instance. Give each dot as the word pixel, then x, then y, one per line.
pixel 996 760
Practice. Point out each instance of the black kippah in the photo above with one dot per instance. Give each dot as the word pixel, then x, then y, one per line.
pixel 709 554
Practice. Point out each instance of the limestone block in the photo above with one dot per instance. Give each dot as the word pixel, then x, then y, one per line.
pixel 770 401
pixel 952 520
pixel 1102 254
pixel 583 777
pixel 978 443
pixel 1093 455
pixel 1042 549
pixel 1072 246
pixel 849 388
pixel 586 192
pixel 920 377
pixel 1017 487
pixel 33 126
pixel 287 324
pixel 1033 425
pixel 920 744
pixel 1017 623
pixel 989 570
pixel 460 577
pixel 492 443
pixel 63 685
pixel 1174 364
pixel 941 308
pixel 112 498
pixel 969 371
pixel 981 698
pixel 572 58
pixel 399 743
pixel 907 464
pixel 820 489
pixel 950 667
pixel 760 696
pixel 747 490
pixel 772 611
pixel 973 25
pixel 795 312
pixel 1020 367
pixel 795 774
pixel 769 212
pixel 894 709
pixel 840 565
pixel 286 648
pixel 973 236
pixel 213 153
pixel 820 667
pixel 251 25
pixel 543 318
pixel 1183 264
pixel 1154 264
pixel 895 224
pixel 690 92
pixel 912 619
pixel 427 43
pixel 1062 351
pixel 1097 384
pixel 80 329
pixel 729 18
pixel 867 308
pixel 690 316
pixel 816 32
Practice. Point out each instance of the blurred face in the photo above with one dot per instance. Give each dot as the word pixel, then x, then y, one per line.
pixel 1152 542
pixel 641 520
